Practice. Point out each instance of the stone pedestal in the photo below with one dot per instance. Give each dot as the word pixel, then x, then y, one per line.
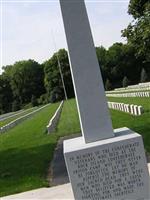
pixel 109 169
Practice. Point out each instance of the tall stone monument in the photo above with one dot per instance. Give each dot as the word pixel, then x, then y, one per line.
pixel 102 164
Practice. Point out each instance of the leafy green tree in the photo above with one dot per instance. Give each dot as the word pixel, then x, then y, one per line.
pixel 102 57
pixel 108 85
pixel 16 105
pixel 144 76
pixel 57 94
pixel 34 101
pixel 6 96
pixel 125 82
pixel 137 7
pixel 138 31
pixel 27 79
pixel 52 74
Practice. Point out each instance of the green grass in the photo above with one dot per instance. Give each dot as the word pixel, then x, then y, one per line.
pixel 12 118
pixel 69 120
pixel 26 150
pixel 25 153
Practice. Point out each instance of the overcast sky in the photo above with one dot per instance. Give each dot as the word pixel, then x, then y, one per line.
pixel 27 27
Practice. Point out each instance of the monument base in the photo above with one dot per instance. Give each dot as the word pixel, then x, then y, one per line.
pixel 109 169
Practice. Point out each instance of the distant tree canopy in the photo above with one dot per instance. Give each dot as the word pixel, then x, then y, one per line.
pixel 138 31
pixel 144 76
pixel 125 82
pixel 119 61
pixel 6 96
pixel 53 81
pixel 24 79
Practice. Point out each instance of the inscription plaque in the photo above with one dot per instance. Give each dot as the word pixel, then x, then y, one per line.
pixel 115 170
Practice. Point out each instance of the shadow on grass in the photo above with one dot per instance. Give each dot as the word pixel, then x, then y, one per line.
pixel 24 169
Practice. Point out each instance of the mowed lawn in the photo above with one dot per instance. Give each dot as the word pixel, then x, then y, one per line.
pixel 25 153
pixel 26 150
pixel 69 121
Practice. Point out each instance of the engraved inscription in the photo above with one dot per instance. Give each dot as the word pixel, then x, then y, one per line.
pixel 109 173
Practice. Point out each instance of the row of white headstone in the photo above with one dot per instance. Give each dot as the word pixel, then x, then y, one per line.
pixel 54 120
pixel 128 90
pixel 140 85
pixel 19 120
pixel 133 94
pixel 132 109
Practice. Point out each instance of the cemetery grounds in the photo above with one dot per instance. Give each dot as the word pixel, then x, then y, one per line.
pixel 26 150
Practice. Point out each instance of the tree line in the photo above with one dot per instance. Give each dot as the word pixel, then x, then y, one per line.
pixel 28 83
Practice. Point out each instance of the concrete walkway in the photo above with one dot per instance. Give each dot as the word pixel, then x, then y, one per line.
pixel 62 192
pixel 58 169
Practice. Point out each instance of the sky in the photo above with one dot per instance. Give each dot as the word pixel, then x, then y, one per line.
pixel 33 29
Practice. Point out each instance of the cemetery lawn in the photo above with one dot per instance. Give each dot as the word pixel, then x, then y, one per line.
pixel 26 150
pixel 25 153
pixel 69 121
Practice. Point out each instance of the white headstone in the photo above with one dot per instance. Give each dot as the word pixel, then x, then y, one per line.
pixel 140 110
pixel 128 108
pixel 132 109
pixel 135 110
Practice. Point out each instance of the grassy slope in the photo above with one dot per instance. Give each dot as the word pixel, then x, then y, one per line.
pixel 69 122
pixel 25 152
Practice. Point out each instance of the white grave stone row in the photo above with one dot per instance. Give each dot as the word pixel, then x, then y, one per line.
pixel 145 84
pixel 133 94
pixel 128 90
pixel 132 109
pixel 138 87
pixel 19 120
pixel 54 120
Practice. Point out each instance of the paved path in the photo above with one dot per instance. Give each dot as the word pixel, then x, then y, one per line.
pixel 58 167
pixel 62 192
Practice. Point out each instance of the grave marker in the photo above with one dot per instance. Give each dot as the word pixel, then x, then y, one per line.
pixel 85 67
pixel 101 164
